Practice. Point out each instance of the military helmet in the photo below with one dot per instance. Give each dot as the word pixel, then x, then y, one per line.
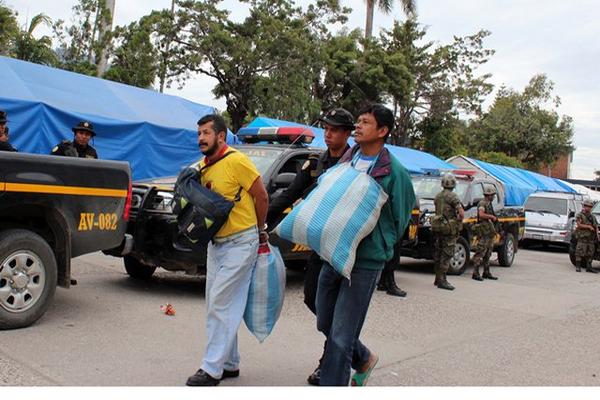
pixel 85 126
pixel 448 181
pixel 588 203
pixel 489 189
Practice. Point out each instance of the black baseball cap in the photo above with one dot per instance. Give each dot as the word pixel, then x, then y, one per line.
pixel 85 126
pixel 3 117
pixel 339 117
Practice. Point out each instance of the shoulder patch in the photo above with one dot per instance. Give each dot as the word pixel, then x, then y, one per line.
pixel 306 165
pixel 55 148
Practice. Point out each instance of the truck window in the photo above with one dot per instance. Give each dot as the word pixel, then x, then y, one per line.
pixel 428 188
pixel 546 205
pixel 262 158
pixel 477 192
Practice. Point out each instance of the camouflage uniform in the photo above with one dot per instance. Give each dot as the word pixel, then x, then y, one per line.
pixel 586 241
pixel 485 232
pixel 447 204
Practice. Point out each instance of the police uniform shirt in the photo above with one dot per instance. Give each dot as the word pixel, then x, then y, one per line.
pixel 65 147
pixel 303 183
pixel 5 146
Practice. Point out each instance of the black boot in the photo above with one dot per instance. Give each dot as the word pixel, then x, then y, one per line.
pixel 488 275
pixel 390 283
pixel 588 267
pixel 578 266
pixel 444 284
pixel 438 277
pixel 477 277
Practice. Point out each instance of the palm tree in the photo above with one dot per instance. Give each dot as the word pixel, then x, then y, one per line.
pixel 28 48
pixel 408 6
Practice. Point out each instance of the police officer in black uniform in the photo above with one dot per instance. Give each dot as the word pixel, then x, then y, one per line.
pixel 338 124
pixel 80 146
pixel 4 144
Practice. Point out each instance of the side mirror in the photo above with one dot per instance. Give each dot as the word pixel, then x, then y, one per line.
pixel 284 180
pixel 571 214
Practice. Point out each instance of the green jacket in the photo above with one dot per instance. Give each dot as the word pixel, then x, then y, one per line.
pixel 378 247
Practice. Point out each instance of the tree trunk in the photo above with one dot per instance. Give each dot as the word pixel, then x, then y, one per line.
pixel 105 27
pixel 370 12
pixel 163 69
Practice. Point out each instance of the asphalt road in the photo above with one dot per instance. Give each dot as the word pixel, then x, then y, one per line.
pixel 537 325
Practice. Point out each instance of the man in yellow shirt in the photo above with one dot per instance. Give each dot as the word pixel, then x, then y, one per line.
pixel 233 251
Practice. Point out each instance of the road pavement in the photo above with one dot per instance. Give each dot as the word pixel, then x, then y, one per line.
pixel 537 325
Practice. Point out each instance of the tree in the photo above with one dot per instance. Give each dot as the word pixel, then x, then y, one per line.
pixel 26 47
pixel 82 43
pixel 597 173
pixel 408 6
pixel 135 59
pixel 265 63
pixel 444 85
pixel 525 125
pixel 9 28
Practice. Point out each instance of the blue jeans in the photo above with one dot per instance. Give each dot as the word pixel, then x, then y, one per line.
pixel 342 306
pixel 229 266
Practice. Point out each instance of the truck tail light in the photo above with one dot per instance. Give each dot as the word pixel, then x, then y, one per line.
pixel 127 208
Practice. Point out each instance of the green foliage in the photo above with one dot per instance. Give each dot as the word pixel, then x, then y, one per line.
pixel 497 157
pixel 409 7
pixel 9 28
pixel 525 126
pixel 26 47
pixel 135 59
pixel 81 43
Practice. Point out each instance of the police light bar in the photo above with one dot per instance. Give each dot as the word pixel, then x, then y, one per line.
pixel 284 134
pixel 465 172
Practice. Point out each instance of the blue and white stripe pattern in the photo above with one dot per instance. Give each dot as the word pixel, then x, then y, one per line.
pixel 266 293
pixel 336 216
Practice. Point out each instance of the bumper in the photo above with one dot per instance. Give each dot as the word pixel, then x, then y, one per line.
pixel 123 249
pixel 552 236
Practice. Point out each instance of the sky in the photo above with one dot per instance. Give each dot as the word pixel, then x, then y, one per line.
pixel 554 37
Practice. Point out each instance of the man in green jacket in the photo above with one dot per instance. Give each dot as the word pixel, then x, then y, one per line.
pixel 341 306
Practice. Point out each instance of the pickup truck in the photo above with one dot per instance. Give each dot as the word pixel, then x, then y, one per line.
pixel 53 209
pixel 510 227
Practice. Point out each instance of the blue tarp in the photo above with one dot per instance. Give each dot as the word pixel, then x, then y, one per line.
pixel 156 133
pixel 415 161
pixel 520 183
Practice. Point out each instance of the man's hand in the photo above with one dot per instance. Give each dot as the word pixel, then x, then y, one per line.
pixel 263 237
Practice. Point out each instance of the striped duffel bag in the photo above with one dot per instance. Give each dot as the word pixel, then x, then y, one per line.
pixel 336 216
pixel 266 293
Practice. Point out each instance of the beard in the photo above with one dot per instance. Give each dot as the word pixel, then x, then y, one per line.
pixel 210 150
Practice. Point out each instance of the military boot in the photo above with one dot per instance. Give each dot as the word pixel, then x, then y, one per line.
pixel 476 275
pixel 444 284
pixel 578 266
pixel 438 276
pixel 588 267
pixel 488 275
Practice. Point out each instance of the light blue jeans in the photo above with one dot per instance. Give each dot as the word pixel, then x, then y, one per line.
pixel 230 262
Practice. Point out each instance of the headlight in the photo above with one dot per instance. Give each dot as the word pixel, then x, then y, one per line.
pixel 560 227
pixel 427 220
pixel 163 202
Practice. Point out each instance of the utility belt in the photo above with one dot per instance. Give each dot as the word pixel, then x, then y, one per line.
pixel 484 228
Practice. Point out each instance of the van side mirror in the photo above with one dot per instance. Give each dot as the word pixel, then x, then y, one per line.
pixel 571 214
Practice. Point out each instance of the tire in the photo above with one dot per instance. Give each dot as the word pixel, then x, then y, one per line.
pixel 572 247
pixel 28 278
pixel 462 255
pixel 136 269
pixel 506 253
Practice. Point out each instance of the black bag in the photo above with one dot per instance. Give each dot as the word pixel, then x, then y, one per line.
pixel 200 211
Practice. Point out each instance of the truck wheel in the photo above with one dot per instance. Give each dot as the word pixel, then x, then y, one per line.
pixel 462 254
pixel 506 253
pixel 27 278
pixel 572 247
pixel 136 269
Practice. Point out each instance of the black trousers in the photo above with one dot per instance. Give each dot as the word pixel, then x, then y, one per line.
pixel 311 281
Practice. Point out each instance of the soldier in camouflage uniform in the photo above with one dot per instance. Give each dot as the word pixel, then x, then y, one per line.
pixel 449 210
pixel 586 233
pixel 485 232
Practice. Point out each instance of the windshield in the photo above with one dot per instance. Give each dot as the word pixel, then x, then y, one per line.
pixel 261 157
pixel 546 205
pixel 596 209
pixel 428 188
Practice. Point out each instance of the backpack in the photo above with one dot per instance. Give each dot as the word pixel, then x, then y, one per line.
pixel 200 211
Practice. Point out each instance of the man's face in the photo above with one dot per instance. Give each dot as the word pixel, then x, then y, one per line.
pixel 587 209
pixel 490 197
pixel 367 131
pixel 209 141
pixel 336 137
pixel 82 138
pixel 3 134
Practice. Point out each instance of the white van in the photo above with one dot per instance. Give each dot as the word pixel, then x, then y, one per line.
pixel 549 216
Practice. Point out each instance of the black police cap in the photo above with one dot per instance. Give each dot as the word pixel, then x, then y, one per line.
pixel 3 117
pixel 339 117
pixel 85 126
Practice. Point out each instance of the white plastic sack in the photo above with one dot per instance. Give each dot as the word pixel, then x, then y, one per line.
pixel 336 216
pixel 267 289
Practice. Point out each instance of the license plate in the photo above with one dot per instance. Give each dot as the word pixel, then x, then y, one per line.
pixel 538 237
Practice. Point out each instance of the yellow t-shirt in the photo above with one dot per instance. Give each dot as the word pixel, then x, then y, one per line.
pixel 226 177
